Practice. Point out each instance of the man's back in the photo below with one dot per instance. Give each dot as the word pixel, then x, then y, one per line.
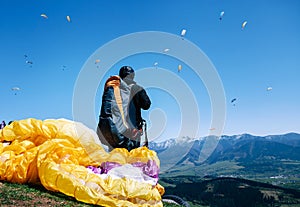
pixel 120 122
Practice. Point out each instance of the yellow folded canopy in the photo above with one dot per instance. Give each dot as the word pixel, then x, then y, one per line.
pixel 60 154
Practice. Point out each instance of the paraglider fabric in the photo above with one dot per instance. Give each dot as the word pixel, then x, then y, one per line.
pixel 66 156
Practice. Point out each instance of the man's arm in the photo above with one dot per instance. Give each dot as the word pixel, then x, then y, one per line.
pixel 142 99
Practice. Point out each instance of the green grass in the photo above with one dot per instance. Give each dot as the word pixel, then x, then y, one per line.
pixel 36 195
pixel 259 170
pixel 33 195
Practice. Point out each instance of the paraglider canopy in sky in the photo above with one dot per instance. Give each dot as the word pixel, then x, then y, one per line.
pixel 29 62
pixel 44 16
pixel 166 50
pixel 15 89
pixel 233 101
pixel 183 32
pixel 179 68
pixel 68 18
pixel 221 15
pixel 244 24
pixel 96 62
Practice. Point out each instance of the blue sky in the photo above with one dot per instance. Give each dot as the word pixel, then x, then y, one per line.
pixel 264 54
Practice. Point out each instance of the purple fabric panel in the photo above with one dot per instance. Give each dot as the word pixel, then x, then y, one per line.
pixel 107 166
pixel 96 170
pixel 150 168
pixel 104 167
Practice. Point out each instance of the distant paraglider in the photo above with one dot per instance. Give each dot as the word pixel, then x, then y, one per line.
pixel 96 62
pixel 28 62
pixel 68 18
pixel 221 15
pixel 156 64
pixel 15 89
pixel 166 50
pixel 244 24
pixel 233 101
pixel 44 16
pixel 183 32
pixel 179 68
pixel 2 125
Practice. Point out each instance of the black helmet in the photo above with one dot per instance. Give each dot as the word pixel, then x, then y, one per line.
pixel 125 71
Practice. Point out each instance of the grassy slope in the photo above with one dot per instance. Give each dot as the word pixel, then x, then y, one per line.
pixel 29 195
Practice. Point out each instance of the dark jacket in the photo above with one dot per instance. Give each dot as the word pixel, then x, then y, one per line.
pixel 139 100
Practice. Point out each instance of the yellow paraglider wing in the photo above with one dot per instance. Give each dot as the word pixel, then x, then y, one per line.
pixel 68 157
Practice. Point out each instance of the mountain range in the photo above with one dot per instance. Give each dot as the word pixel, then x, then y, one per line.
pixel 272 158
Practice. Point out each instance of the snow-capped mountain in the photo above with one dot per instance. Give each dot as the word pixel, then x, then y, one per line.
pixel 240 149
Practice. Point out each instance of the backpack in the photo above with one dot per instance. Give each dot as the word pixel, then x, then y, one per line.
pixel 115 128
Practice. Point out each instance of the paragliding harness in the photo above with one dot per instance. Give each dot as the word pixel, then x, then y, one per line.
pixel 146 142
pixel 137 134
pixel 115 128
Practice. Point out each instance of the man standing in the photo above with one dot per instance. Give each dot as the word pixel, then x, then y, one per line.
pixel 120 120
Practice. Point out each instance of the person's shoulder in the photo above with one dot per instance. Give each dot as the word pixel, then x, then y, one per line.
pixel 137 87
